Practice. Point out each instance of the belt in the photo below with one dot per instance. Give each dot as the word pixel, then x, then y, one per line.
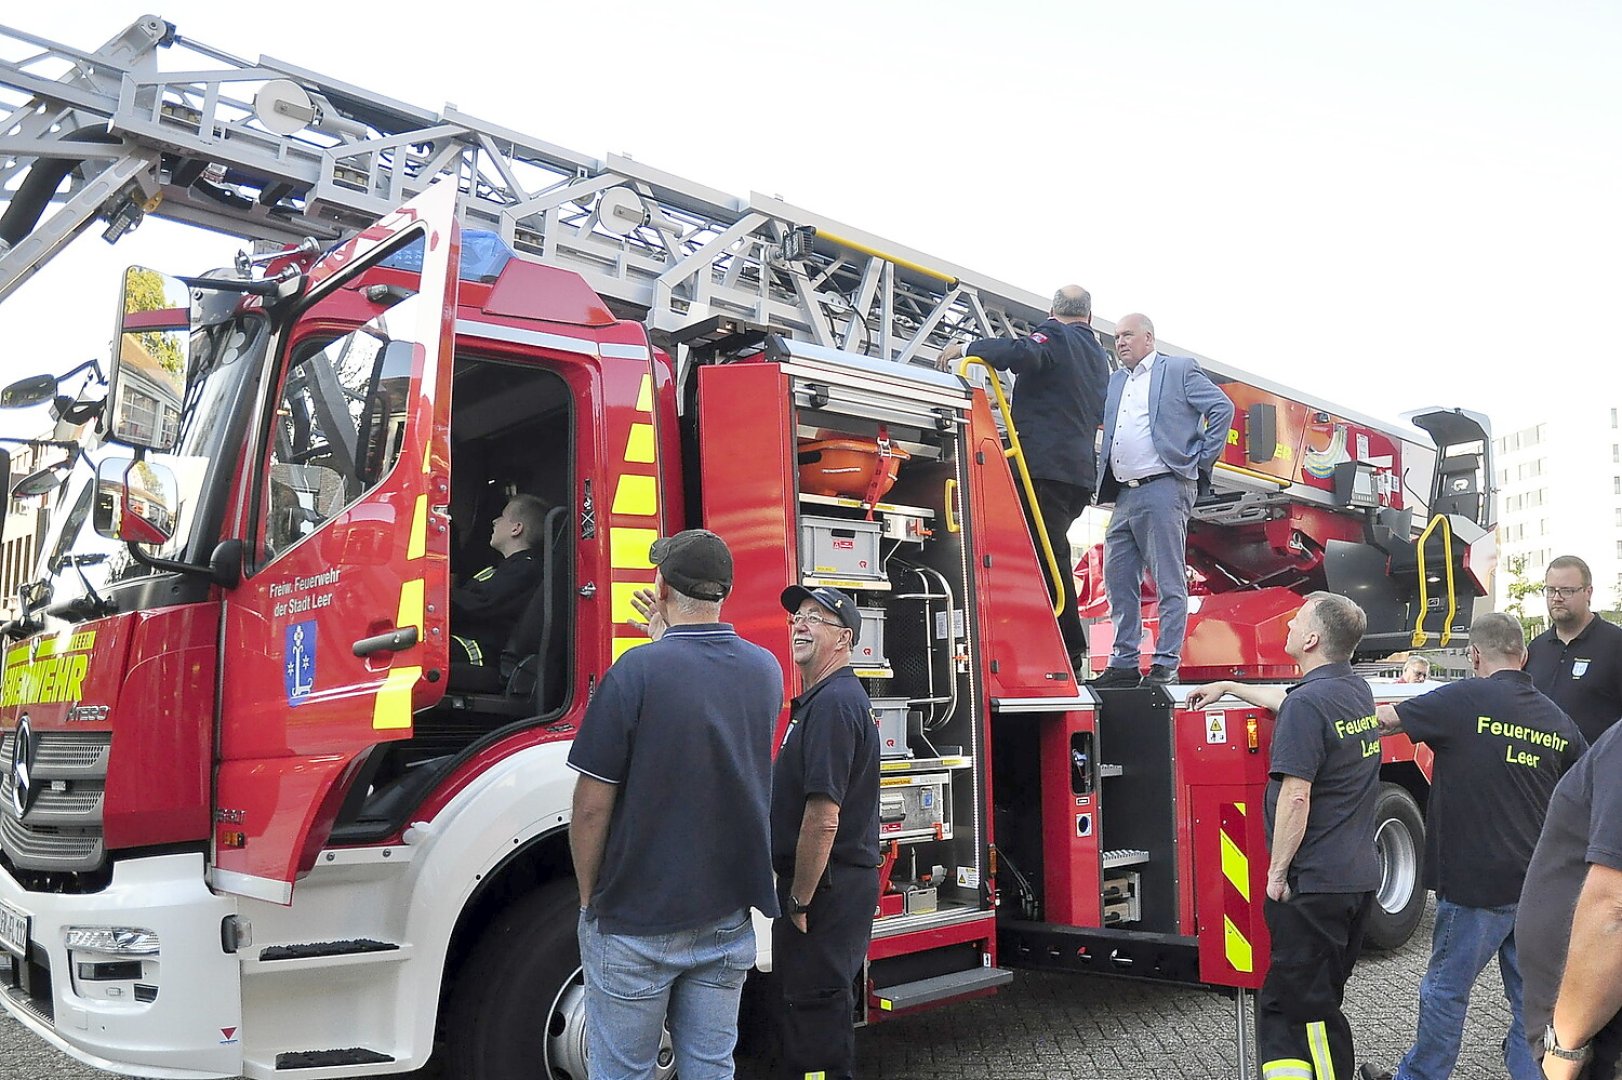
pixel 1144 480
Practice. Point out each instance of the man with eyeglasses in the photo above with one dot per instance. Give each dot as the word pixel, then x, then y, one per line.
pixel 825 838
pixel 1578 660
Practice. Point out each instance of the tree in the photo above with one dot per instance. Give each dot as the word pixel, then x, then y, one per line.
pixel 144 291
pixel 1519 589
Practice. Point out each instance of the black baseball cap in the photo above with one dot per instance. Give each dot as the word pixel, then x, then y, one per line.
pixel 830 598
pixel 695 562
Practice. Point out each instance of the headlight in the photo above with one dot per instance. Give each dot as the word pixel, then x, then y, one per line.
pixel 112 940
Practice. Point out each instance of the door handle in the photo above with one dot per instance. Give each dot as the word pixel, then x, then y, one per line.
pixel 392 641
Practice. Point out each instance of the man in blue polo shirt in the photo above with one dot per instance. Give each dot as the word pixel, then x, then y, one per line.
pixel 670 832
pixel 1501 747
pixel 825 838
pixel 1322 868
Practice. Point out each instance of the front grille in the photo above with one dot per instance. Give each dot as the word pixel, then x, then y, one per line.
pixel 62 830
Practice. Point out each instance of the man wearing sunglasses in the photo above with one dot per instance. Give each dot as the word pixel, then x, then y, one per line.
pixel 825 838
pixel 1578 660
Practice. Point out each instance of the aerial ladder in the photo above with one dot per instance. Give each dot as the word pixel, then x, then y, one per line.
pixel 277 154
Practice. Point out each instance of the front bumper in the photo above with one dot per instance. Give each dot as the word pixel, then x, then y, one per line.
pixel 179 1017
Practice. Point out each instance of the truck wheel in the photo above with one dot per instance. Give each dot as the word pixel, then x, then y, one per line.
pixel 519 1000
pixel 1399 836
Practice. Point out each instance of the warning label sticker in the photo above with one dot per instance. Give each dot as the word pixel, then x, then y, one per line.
pixel 1216 727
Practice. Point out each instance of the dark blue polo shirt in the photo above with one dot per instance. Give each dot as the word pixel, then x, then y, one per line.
pixel 1326 734
pixel 1583 675
pixel 831 748
pixel 683 726
pixel 1500 749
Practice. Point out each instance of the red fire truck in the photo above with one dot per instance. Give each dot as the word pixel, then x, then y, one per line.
pixel 252 818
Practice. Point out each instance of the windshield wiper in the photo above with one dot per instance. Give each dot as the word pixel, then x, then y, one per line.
pixel 90 605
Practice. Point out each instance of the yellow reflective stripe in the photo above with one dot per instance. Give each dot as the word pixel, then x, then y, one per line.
pixel 1235 866
pixel 475 655
pixel 628 548
pixel 1237 949
pixel 1286 1069
pixel 1318 1044
pixel 637 495
pixel 818 1075
pixel 486 574
pixel 392 709
pixel 639 447
pixel 886 1005
pixel 411 605
pixel 621 611
pixel 1240 807
pixel 644 395
pixel 62 642
pixel 418 546
pixel 623 645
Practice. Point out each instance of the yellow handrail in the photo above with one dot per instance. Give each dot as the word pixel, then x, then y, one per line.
pixel 1017 454
pixel 1424 583
pixel 952 524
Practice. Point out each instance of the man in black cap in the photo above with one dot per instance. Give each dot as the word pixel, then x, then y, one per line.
pixel 825 837
pixel 670 833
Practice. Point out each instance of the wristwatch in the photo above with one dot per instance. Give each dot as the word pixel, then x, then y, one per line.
pixel 795 907
pixel 1551 1045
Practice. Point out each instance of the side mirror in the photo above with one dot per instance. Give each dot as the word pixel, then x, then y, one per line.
pixel 135 501
pixel 26 393
pixel 152 356
pixel 47 479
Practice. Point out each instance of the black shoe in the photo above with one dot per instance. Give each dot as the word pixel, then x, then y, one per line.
pixel 1116 678
pixel 1370 1072
pixel 1160 675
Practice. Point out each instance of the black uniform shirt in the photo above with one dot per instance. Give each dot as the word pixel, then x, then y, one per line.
pixel 1500 749
pixel 1584 826
pixel 1583 676
pixel 487 607
pixel 831 748
pixel 1058 398
pixel 1326 734
pixel 683 726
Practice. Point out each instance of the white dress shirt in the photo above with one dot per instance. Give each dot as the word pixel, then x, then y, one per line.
pixel 1132 456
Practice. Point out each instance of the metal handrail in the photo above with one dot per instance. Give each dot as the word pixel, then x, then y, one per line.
pixel 1016 454
pixel 1446 634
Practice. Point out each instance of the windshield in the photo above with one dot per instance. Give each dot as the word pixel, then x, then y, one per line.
pixel 225 356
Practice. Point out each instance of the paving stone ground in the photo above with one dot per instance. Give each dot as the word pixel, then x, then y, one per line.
pixel 1062 1027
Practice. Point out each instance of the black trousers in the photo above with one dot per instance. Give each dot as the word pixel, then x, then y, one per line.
pixel 816 972
pixel 1300 1028
pixel 1061 504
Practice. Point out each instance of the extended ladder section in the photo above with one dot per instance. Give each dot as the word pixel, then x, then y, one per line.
pixel 274 152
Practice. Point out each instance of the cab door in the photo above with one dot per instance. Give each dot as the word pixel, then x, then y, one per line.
pixel 338 632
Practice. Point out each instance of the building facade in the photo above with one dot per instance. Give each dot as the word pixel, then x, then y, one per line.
pixel 1560 493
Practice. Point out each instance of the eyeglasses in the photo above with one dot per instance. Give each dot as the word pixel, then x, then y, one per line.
pixel 812 617
pixel 1563 592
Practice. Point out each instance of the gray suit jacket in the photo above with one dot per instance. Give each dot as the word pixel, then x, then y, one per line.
pixel 1189 418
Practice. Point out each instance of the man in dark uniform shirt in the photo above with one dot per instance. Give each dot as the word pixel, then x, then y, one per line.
pixel 825 838
pixel 1578 660
pixel 1320 813
pixel 1501 747
pixel 1058 406
pixel 485 607
pixel 1568 926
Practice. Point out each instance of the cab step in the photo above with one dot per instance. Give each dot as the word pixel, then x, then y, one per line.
pixel 306 950
pixel 301 956
pixel 911 995
pixel 329 1059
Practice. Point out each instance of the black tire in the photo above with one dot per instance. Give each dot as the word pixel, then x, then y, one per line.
pixel 517 1010
pixel 1400 838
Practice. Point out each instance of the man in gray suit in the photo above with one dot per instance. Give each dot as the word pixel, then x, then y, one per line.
pixel 1165 425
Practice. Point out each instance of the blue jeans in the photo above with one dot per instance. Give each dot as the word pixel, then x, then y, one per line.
pixel 692 978
pixel 1148 529
pixel 1464 940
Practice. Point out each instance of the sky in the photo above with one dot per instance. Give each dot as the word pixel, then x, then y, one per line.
pixel 1390 205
